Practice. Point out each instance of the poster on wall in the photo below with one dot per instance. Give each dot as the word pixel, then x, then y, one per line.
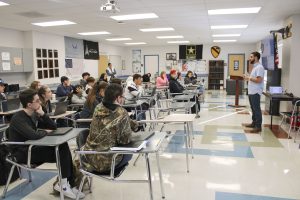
pixel 190 52
pixel 74 48
pixel 136 61
pixel 198 66
pixel 74 67
pixel 91 50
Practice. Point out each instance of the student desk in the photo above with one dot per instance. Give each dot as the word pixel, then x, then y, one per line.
pixel 7 113
pixel 277 98
pixel 187 120
pixel 55 141
pixel 64 115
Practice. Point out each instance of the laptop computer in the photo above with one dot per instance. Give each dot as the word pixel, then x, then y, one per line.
pixel 141 136
pixel 276 90
pixel 61 108
pixel 60 131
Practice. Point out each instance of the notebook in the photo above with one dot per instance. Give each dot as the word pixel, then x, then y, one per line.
pixel 61 108
pixel 132 146
pixel 138 142
pixel 60 131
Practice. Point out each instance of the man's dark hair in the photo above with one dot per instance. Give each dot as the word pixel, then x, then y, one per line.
pixel 112 91
pixel 256 54
pixel 63 79
pixel 27 96
pixel 85 74
pixel 90 80
pixel 136 76
pixel 116 80
pixel 108 64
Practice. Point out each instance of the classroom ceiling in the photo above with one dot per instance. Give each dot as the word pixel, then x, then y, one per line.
pixel 189 18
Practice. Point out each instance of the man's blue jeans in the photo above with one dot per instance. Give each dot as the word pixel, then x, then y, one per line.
pixel 254 100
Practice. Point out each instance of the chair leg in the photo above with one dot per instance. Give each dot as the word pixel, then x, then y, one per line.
pixel 8 180
pixel 90 184
pixel 29 176
pixel 81 186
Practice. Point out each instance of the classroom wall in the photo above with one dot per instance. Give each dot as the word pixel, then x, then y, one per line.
pixel 162 50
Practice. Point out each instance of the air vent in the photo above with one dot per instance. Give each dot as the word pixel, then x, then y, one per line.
pixel 32 14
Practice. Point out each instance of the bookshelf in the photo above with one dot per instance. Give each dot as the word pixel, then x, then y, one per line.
pixel 216 74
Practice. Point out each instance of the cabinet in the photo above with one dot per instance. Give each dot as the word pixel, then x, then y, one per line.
pixel 20 60
pixel 216 74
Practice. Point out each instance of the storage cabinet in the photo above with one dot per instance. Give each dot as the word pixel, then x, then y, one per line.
pixel 216 74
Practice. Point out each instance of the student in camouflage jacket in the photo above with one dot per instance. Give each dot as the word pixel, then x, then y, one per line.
pixel 111 126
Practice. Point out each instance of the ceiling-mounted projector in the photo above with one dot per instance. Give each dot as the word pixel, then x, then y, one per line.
pixel 110 6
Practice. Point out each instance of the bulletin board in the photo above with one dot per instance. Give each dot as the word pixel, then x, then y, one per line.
pixel 236 64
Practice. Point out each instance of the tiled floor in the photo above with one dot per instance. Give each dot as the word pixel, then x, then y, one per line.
pixel 228 164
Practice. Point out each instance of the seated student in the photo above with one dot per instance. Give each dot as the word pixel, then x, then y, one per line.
pixel 85 76
pixel 2 88
pixel 90 83
pixel 77 96
pixel 103 77
pixel 162 80
pixel 180 79
pixel 35 85
pixel 134 89
pixel 25 126
pixel 189 78
pixel 65 88
pixel 93 99
pixel 174 85
pixel 111 126
pixel 116 80
pixel 146 77
pixel 45 95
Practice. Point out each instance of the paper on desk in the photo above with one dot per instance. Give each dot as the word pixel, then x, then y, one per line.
pixel 133 146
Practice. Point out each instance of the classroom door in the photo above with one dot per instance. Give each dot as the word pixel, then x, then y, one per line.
pixel 103 61
pixel 151 64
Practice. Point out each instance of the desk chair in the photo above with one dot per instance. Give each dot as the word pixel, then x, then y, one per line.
pixel 114 173
pixel 294 120
pixel 25 166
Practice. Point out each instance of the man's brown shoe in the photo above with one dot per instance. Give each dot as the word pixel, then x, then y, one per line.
pixel 250 125
pixel 256 130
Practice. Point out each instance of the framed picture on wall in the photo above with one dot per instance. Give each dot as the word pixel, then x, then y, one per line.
pixel 171 56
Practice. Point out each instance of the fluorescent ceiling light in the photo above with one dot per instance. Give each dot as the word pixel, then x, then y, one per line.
pixel 226 35
pixel 169 37
pixel 54 23
pixel 135 43
pixel 234 11
pixel 178 42
pixel 118 39
pixel 134 16
pixel 95 33
pixel 228 26
pixel 3 4
pixel 224 41
pixel 156 29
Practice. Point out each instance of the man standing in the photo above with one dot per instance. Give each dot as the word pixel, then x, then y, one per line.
pixel 255 89
pixel 110 71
